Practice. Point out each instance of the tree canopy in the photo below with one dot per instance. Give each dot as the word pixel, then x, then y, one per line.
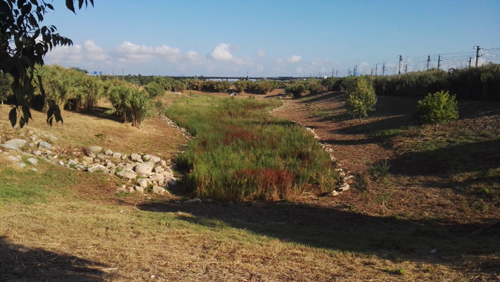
pixel 24 41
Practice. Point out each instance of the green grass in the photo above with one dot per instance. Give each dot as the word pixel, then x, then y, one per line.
pixel 26 186
pixel 241 153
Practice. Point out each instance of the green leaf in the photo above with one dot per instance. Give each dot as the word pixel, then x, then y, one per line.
pixel 70 6
pixel 21 122
pixel 26 114
pixel 13 116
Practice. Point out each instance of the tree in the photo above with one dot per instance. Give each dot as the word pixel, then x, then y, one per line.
pixel 362 98
pixel 23 44
pixel 5 91
pixel 436 108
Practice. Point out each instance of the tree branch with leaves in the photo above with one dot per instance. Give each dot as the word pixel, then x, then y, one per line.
pixel 23 44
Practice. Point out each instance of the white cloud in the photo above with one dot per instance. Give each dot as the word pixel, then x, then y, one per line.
pixel 94 52
pixel 261 53
pixel 298 70
pixel 65 55
pixel 221 53
pixel 294 59
pixel 130 52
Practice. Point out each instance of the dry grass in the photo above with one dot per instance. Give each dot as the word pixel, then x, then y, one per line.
pixel 78 230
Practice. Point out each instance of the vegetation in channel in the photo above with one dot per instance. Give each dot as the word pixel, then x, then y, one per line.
pixel 240 153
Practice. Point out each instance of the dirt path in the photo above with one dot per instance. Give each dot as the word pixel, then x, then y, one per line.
pixel 325 113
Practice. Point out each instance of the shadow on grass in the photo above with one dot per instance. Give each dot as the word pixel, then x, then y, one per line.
pixel 450 159
pixel 337 230
pixel 19 263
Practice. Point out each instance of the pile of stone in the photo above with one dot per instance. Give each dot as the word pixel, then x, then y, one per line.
pixel 172 124
pixel 141 171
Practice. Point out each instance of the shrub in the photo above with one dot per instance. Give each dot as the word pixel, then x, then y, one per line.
pixel 154 89
pixel 221 86
pixel 178 86
pixel 436 108
pixel 263 87
pixel 296 89
pixel 88 92
pixel 314 86
pixel 130 103
pixel 362 98
pixel 240 85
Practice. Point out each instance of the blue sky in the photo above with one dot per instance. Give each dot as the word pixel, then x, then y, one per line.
pixel 274 37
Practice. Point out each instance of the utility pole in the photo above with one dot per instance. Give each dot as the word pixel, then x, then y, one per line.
pixel 428 61
pixel 399 65
pixel 383 69
pixel 439 61
pixel 477 54
pixel 371 72
pixel 376 68
pixel 406 68
pixel 470 60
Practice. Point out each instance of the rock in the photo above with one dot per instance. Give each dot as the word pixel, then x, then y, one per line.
pixel 72 163
pixel 159 191
pixel 193 201
pixel 169 170
pixel 31 145
pixel 344 187
pixel 91 151
pixel 130 190
pixel 163 163
pixel 117 155
pixel 21 165
pixel 155 159
pixel 127 174
pixel 144 168
pixel 15 144
pixel 101 157
pixel 88 160
pixel 96 167
pixel 172 182
pixel 136 157
pixel 37 153
pixel 158 178
pixel 33 161
pixel 334 193
pixel 143 182
pixel 146 158
pixel 108 152
pixel 124 157
pixel 139 189
pixel 60 163
pixel 42 145
pixel 13 159
pixel 159 169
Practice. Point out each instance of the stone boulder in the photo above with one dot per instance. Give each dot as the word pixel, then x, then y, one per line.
pixel 144 168
pixel 96 167
pixel 91 151
pixel 127 174
pixel 136 158
pixel 14 144
pixel 42 145
pixel 160 191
